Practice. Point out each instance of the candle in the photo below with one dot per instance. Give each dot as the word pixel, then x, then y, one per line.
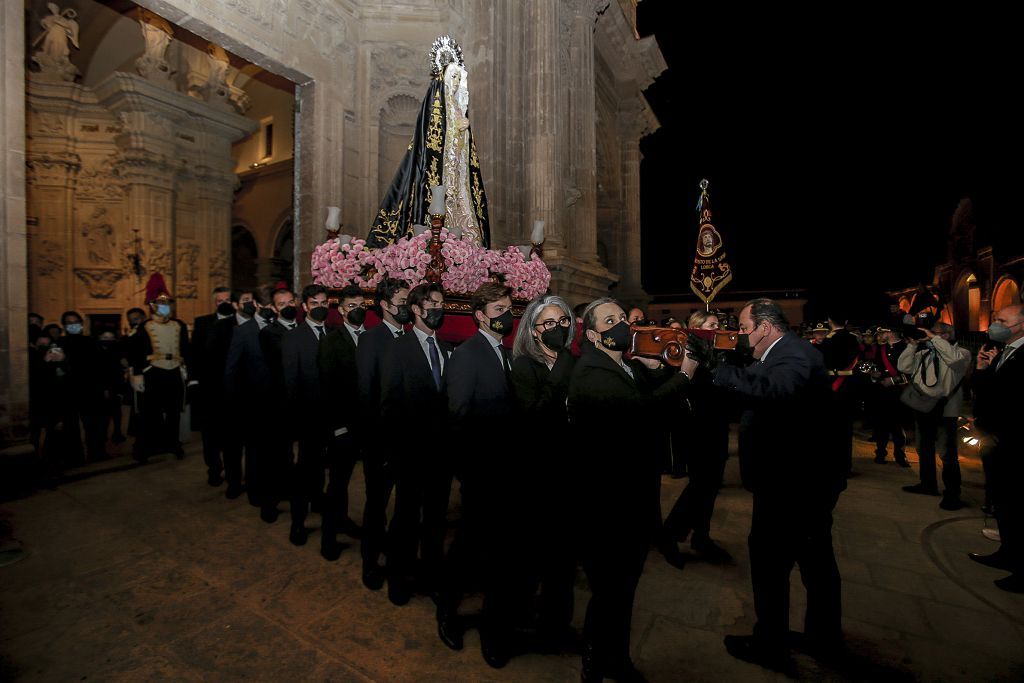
pixel 537 237
pixel 419 229
pixel 525 249
pixel 437 200
pixel 333 218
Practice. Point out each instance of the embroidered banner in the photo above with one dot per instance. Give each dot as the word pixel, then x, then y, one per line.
pixel 711 270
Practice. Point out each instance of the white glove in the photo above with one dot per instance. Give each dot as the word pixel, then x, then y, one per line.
pixel 138 383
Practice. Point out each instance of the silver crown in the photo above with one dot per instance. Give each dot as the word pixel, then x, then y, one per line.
pixel 443 51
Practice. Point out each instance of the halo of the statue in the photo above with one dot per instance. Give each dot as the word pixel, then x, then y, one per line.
pixel 443 51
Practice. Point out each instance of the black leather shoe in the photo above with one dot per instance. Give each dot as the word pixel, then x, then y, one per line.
pixel 234 491
pixel 995 560
pixel 398 593
pixel 373 577
pixel 269 514
pixel 332 551
pixel 880 459
pixel 1014 583
pixel 449 629
pixel 750 649
pixel 494 651
pixel 214 480
pixel 952 504
pixel 922 489
pixel 672 555
pixel 179 452
pixel 709 551
pixel 297 535
pixel 903 462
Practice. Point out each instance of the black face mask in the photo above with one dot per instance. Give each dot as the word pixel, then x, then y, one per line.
pixel 288 313
pixel 249 309
pixel 225 308
pixel 555 338
pixel 434 318
pixel 502 324
pixel 268 314
pixel 356 316
pixel 318 314
pixel 617 338
pixel 404 314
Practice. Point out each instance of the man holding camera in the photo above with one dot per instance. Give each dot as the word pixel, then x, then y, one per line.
pixel 936 365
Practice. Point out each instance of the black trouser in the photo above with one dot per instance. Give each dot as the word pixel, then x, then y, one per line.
pixel 213 432
pixel 84 414
pixel 788 529
pixel 422 488
pixel 160 411
pixel 337 456
pixel 889 412
pixel 1006 468
pixel 928 425
pixel 696 504
pixel 380 481
pixel 552 531
pixel 341 460
pixel 268 462
pixel 613 558
pixel 843 408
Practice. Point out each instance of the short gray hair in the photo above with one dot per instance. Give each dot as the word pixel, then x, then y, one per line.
pixel 765 310
pixel 526 344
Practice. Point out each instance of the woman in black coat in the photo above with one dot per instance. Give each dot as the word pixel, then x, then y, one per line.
pixel 541 366
pixel 608 397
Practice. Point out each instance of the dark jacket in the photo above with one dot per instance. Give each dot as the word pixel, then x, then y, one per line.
pixel 246 374
pixel 374 347
pixel 476 382
pixel 408 393
pixel 997 398
pixel 337 359
pixel 786 402
pixel 301 369
pixel 271 340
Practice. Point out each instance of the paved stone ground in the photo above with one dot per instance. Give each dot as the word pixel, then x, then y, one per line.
pixel 147 574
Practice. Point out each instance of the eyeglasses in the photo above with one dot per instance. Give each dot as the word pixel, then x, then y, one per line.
pixel 564 321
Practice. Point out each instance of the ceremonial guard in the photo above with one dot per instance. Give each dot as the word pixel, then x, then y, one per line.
pixel 842 354
pixel 158 373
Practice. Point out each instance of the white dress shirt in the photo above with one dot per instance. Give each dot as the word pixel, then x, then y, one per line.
pixel 314 325
pixel 395 331
pixel 422 337
pixel 496 345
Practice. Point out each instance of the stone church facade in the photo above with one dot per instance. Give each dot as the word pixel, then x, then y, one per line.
pixel 556 107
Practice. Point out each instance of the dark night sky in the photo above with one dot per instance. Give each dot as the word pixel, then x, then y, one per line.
pixel 837 147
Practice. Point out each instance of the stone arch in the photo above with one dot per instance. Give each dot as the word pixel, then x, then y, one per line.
pixel 1005 293
pixel 395 124
pixel 244 253
pixel 966 303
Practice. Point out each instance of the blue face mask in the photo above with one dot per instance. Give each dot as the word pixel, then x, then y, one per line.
pixel 163 310
pixel 73 328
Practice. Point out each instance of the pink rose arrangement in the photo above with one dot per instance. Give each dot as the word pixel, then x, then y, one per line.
pixel 466 265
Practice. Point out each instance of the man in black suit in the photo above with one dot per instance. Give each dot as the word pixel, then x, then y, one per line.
pixel 480 404
pixel 203 385
pixel 218 344
pixel 375 443
pixel 796 483
pixel 304 399
pixel 83 402
pixel 412 398
pixel 274 454
pixel 337 359
pixel 246 385
pixel 997 382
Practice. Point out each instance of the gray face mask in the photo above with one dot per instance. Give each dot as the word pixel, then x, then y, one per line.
pixel 999 332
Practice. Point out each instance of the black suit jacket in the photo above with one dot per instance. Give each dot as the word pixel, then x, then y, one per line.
pixel 786 403
pixel 337 359
pixel 301 369
pixel 214 356
pixel 374 347
pixel 246 375
pixel 476 385
pixel 271 340
pixel 408 393
pixel 997 398
pixel 201 328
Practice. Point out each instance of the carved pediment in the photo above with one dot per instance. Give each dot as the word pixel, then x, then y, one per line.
pixel 99 282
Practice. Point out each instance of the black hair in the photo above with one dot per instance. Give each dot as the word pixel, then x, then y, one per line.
pixel 350 292
pixel 65 314
pixel 311 291
pixel 135 310
pixel 421 293
pixel 387 289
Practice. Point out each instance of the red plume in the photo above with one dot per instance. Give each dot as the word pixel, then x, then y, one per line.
pixel 156 287
pixel 281 284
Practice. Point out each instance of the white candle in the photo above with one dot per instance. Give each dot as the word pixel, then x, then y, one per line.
pixel 537 237
pixel 525 249
pixel 333 218
pixel 437 200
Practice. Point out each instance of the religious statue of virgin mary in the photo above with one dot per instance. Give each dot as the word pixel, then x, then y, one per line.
pixel 441 153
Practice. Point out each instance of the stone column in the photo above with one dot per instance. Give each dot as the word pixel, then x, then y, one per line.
pixel 13 238
pixel 544 106
pixel 630 286
pixel 581 192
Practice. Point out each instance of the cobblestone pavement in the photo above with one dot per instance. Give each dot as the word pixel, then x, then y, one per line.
pixel 146 574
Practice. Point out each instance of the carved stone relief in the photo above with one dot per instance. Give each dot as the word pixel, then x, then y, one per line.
pixel 99 282
pixel 188 270
pixel 218 268
pixel 49 258
pixel 97 242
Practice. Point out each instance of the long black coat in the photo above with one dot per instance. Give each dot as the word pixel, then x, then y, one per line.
pixel 246 374
pixel 607 409
pixel 302 378
pixel 338 378
pixel 374 346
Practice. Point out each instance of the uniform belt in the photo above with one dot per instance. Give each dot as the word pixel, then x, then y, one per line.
pixel 841 373
pixel 164 356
